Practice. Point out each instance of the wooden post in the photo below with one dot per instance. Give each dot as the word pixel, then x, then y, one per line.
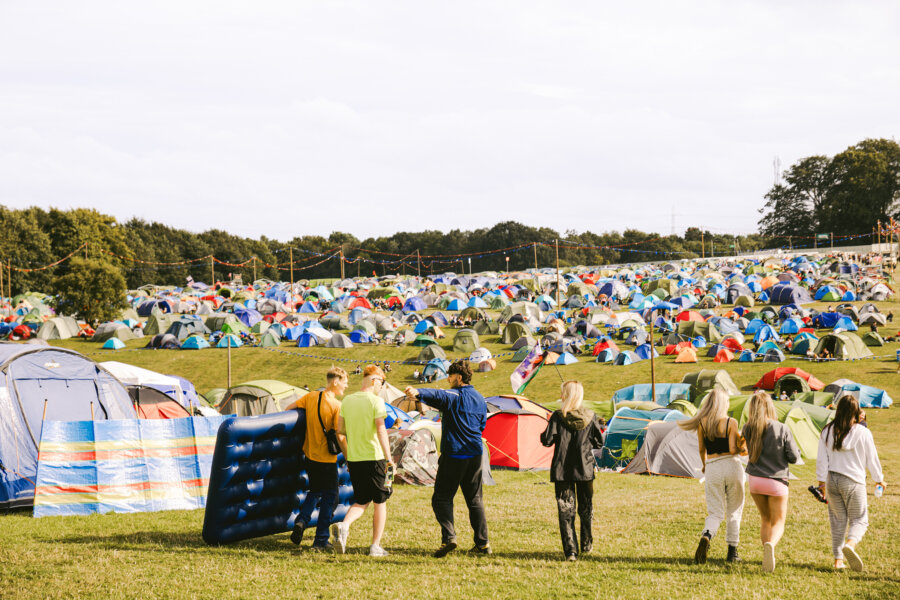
pixel 254 269
pixel 212 273
pixel 535 256
pixel 2 288
pixel 702 244
pixel 228 344
pixel 342 262
pixel 652 364
pixel 292 276
pixel 557 274
pixel 92 410
pixel 418 264
pixel 358 261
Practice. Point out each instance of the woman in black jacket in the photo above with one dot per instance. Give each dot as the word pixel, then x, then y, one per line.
pixel 575 432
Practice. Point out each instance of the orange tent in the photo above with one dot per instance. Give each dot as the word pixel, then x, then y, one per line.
pixel 687 355
pixel 724 355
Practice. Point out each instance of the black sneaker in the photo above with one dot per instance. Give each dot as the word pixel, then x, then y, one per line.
pixel 702 549
pixel 486 549
pixel 324 547
pixel 733 556
pixel 297 533
pixel 445 549
pixel 587 548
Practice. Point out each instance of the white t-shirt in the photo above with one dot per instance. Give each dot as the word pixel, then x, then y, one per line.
pixel 857 453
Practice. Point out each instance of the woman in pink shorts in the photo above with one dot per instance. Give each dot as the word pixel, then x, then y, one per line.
pixel 771 447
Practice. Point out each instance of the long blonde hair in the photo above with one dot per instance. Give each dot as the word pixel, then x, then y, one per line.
pixel 713 409
pixel 572 394
pixel 760 409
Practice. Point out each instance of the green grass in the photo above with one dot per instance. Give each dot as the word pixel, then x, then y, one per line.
pixel 645 528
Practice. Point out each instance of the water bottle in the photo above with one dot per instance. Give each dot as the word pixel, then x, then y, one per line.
pixel 879 490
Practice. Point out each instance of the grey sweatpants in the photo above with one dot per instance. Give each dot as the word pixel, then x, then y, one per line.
pixel 848 511
pixel 724 497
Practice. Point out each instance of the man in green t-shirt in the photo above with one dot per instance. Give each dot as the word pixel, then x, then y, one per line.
pixel 361 419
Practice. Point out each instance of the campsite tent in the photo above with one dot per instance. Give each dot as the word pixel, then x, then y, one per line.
pixel 258 398
pixel 845 345
pixel 58 328
pixel 513 439
pixel 466 341
pixel 69 383
pixel 667 450
pixel 625 434
pixel 705 380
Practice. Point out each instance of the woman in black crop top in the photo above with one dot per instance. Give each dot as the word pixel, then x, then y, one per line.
pixel 718 441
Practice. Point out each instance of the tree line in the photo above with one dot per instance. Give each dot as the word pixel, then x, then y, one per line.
pixel 846 194
pixel 154 253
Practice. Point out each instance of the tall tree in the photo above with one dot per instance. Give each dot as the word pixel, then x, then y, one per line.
pixel 92 289
pixel 791 207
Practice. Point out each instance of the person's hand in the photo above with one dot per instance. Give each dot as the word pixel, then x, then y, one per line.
pixel 883 484
pixel 823 490
pixel 703 469
pixel 411 392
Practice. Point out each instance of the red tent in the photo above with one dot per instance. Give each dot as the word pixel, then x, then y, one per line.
pixel 150 403
pixel 360 302
pixel 724 355
pixel 393 301
pixel 603 345
pixel 514 441
pixel 690 315
pixel 732 344
pixel 767 382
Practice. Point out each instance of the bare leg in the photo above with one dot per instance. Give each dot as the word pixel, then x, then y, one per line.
pixel 778 506
pixel 378 520
pixel 765 517
pixel 355 512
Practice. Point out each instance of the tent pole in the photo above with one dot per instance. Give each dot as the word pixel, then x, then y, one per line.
pixel 557 274
pixel 92 410
pixel 418 264
pixel 2 268
pixel 212 273
pixel 254 269
pixel 535 256
pixel 228 344
pixel 292 276
pixel 652 363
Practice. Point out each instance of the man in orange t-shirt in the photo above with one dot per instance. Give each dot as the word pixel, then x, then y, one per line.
pixel 321 465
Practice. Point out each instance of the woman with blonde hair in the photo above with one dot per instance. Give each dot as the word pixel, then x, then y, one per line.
pixel 574 432
pixel 771 447
pixel 719 444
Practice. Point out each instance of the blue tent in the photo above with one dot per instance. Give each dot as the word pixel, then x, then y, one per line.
pixel 306 340
pixel 791 325
pixel 846 323
pixel 753 326
pixel 194 342
pixel 358 336
pixel 309 307
pixel 644 350
pixel 423 326
pixel 248 316
pixel 436 368
pixel 868 396
pixel 607 355
pixel 456 304
pixel 414 304
pixel 665 392
pixel 626 358
pixel 69 383
pixel 746 356
pixel 766 332
pixel 826 320
pixel 625 433
pixel 477 302
pixel 566 358
pixel 788 293
pixel 358 314
pixel 113 343
pixel 229 339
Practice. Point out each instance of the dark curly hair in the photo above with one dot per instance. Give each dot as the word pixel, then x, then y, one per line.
pixel 461 368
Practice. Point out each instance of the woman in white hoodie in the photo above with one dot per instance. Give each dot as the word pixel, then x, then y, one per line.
pixel 846 450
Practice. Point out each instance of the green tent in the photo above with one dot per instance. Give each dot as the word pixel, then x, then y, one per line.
pixel 683 406
pixel 368 327
pixel 514 331
pixel 260 327
pixel 845 345
pixel 429 352
pixel 473 313
pixel 499 302
pixel 466 341
pixel 790 384
pixel 698 328
pixel 487 328
pixel 159 322
pixel 873 339
pixel 259 397
pixel 424 340
pixel 270 339
pixel 815 398
pixel 237 328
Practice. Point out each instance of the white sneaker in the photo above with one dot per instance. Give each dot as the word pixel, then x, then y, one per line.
pixel 852 558
pixel 339 531
pixel 375 550
pixel 768 563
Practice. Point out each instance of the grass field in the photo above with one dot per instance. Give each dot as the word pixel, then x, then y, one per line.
pixel 645 528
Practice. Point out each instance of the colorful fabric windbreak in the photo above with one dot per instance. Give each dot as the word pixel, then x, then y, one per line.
pixel 89 467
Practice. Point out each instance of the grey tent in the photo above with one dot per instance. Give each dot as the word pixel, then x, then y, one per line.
pixel 259 398
pixel 431 351
pixel 339 340
pixel 703 381
pixel 667 450
pixel 415 454
pixel 58 328
pixel 113 329
pixel 487 327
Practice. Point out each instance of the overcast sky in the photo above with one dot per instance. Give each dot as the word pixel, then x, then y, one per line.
pixel 292 118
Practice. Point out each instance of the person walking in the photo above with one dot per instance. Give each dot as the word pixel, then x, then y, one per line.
pixel 846 450
pixel 322 410
pixel 574 432
pixel 771 447
pixel 368 454
pixel 717 436
pixel 463 418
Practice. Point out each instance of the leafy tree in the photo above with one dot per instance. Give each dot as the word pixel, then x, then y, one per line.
pixel 93 289
pixel 792 207
pixel 863 187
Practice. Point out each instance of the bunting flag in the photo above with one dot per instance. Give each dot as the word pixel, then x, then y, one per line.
pixel 130 465
pixel 527 370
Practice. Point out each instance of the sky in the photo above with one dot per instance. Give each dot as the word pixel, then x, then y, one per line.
pixel 282 119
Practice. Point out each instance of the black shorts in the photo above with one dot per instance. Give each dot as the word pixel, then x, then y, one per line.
pixel 322 476
pixel 367 477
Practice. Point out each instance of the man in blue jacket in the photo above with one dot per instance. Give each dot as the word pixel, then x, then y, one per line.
pixel 464 415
